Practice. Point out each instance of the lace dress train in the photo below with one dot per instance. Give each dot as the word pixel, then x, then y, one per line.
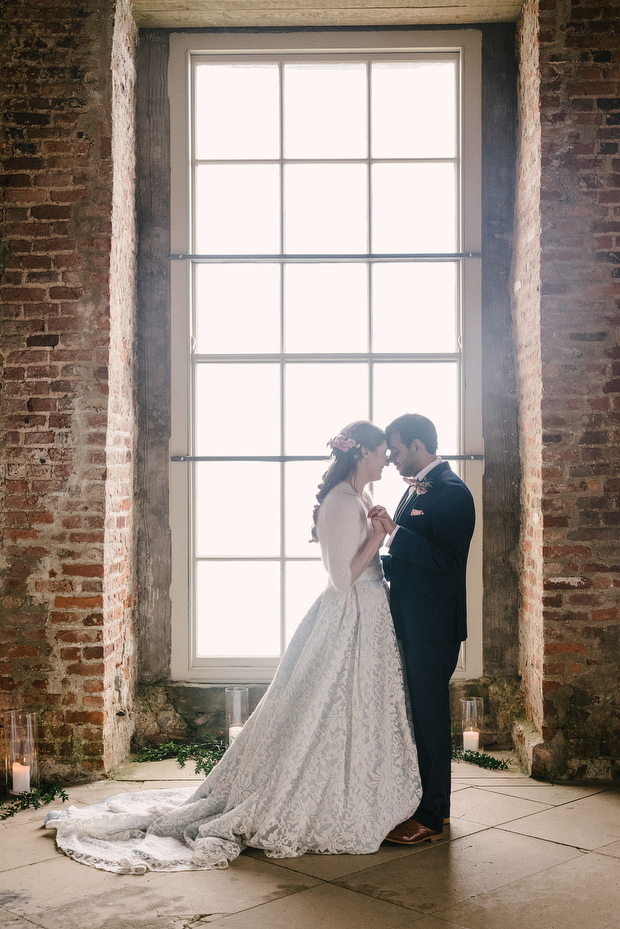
pixel 325 764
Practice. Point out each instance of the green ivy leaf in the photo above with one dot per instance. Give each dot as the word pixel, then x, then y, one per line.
pixel 479 758
pixel 205 754
pixel 32 799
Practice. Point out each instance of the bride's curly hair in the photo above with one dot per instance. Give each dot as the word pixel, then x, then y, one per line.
pixel 365 434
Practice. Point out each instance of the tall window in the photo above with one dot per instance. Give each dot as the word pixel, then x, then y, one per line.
pixel 325 269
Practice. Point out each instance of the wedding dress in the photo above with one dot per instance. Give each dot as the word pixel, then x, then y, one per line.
pixel 325 764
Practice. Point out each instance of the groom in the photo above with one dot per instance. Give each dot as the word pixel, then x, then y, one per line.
pixel 428 545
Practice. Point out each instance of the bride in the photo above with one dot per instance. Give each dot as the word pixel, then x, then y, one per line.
pixel 326 763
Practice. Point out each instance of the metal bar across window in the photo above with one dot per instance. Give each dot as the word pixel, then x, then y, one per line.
pixel 276 259
pixel 286 458
pixel 311 358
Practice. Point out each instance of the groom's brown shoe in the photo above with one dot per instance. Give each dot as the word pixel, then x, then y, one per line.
pixel 410 833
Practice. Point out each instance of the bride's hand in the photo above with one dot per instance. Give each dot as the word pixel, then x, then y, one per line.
pixel 378 527
pixel 380 514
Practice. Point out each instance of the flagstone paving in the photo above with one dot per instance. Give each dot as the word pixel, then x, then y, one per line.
pixel 517 853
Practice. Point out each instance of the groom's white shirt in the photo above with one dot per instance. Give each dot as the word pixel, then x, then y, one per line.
pixel 419 476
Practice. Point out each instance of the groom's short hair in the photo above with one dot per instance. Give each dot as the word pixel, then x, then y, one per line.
pixel 414 426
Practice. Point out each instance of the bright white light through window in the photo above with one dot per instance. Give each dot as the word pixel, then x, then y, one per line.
pixel 325 194
pixel 237 111
pixel 325 111
pixel 237 208
pixel 419 302
pixel 326 308
pixel 237 308
pixel 233 618
pixel 426 93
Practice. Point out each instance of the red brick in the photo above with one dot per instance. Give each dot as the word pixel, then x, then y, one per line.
pixel 81 603
pixel 83 570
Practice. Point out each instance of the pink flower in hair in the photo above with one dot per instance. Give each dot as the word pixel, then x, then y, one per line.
pixel 343 443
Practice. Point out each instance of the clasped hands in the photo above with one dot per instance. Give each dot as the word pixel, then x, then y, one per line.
pixel 381 520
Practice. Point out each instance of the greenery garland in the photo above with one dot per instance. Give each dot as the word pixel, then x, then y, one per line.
pixel 32 798
pixel 205 754
pixel 479 758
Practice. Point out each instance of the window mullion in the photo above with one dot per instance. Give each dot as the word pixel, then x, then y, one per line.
pixel 282 466
pixel 369 264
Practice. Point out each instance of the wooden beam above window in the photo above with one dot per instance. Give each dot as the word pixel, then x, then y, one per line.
pixel 171 14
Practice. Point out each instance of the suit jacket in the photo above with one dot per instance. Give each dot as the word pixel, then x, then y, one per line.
pixel 428 559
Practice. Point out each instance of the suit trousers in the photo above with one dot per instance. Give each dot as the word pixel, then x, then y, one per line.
pixel 428 669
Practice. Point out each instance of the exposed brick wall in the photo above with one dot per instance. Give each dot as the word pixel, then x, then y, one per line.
pixel 68 513
pixel 65 620
pixel 580 302
pixel 579 48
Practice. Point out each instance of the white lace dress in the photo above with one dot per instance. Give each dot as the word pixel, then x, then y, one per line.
pixel 325 764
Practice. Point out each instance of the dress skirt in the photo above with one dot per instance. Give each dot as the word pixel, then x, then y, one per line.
pixel 326 763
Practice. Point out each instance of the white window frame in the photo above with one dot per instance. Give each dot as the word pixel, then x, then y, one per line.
pixel 182 46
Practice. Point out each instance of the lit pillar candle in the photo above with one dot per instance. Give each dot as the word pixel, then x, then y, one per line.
pixel 470 740
pixel 233 732
pixel 21 778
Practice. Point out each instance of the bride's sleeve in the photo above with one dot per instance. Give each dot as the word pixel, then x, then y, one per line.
pixel 340 537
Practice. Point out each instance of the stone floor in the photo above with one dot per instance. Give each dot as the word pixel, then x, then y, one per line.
pixel 519 854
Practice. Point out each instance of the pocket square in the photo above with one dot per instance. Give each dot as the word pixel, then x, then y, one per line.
pixel 417 512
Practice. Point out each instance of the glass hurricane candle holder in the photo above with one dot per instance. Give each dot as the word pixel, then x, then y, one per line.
pixel 20 752
pixel 236 711
pixel 472 714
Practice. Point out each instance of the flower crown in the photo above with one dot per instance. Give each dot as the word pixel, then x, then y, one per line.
pixel 344 443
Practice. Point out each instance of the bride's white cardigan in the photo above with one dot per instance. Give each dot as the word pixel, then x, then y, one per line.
pixel 342 527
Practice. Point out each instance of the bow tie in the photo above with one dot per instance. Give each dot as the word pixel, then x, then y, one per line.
pixel 420 486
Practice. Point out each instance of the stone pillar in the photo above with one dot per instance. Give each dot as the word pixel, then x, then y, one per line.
pixel 526 316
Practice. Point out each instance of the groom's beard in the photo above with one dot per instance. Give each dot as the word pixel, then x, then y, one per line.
pixel 409 467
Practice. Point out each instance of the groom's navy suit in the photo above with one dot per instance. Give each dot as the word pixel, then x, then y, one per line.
pixel 426 569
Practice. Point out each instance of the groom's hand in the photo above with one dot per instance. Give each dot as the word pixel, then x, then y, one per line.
pixel 380 513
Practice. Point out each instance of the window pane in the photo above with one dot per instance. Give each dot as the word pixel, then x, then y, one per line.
pixel 237 209
pixel 414 208
pixel 236 113
pixel 237 308
pixel 237 609
pixel 304 582
pixel 224 494
pixel 414 307
pixel 414 109
pixel 326 308
pixel 325 111
pixel 237 409
pixel 325 209
pixel 302 485
pixel 320 400
pixel 430 388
